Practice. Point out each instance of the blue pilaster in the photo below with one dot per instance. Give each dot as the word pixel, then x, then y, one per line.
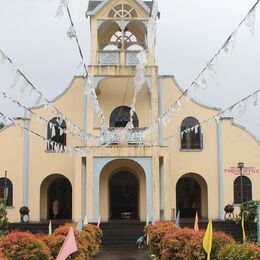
pixel 26 139
pixel 220 170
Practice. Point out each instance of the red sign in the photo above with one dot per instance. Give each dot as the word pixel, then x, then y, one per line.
pixel 245 171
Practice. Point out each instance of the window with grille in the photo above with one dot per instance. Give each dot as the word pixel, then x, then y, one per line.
pixel 242 185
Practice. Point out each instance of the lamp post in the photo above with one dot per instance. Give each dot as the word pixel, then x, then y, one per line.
pixel 240 165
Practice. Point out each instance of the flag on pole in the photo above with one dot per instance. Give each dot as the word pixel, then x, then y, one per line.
pixel 50 228
pixel 177 222
pixel 243 226
pixel 196 223
pixel 99 220
pixel 79 225
pixel 207 240
pixel 69 246
pixel 86 220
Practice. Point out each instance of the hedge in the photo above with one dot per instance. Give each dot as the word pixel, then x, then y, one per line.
pixel 24 245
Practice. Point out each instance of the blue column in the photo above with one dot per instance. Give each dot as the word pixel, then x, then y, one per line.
pixel 83 188
pixel 26 139
pixel 220 170
pixel 160 109
pixel 161 171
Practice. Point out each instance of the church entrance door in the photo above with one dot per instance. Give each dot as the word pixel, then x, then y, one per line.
pixel 124 196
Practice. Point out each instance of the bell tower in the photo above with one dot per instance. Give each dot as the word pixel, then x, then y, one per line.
pixel 118 38
pixel 119 31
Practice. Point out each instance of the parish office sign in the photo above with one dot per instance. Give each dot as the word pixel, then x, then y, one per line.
pixel 246 171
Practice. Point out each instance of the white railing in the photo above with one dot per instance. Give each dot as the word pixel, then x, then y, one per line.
pixel 122 136
pixel 131 58
pixel 109 58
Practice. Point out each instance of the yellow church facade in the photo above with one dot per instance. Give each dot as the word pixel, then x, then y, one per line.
pixel 195 171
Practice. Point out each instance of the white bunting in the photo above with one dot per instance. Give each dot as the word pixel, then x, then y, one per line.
pixel 250 21
pixel 71 33
pixel 255 99
pixel 230 43
pixel 60 11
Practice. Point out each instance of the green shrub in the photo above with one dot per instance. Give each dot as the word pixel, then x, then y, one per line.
pixel 250 211
pixel 24 245
pixel 239 252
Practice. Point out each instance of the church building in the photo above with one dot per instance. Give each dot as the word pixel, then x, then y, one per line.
pixel 126 174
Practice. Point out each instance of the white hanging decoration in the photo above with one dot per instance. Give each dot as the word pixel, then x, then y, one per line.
pixel 250 21
pixel 182 134
pixel 217 118
pixel 87 87
pixel 196 129
pixel 230 42
pixel 152 26
pixel 53 132
pixel 255 96
pixel 71 33
pixel 80 68
pixel 3 57
pixel 23 86
pixel 243 107
pixel 39 101
pixel 201 130
pixel 17 79
pixel 60 11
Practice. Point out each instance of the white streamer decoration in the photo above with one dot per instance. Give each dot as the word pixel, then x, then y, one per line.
pixel 230 43
pixel 3 57
pixel 60 11
pixel 255 99
pixel 152 26
pixel 71 32
pixel 139 80
pixel 250 21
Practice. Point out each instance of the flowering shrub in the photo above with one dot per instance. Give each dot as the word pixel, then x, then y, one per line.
pixel 54 243
pixel 239 252
pixel 88 241
pixel 23 245
pixel 174 242
pixel 167 242
pixel 156 234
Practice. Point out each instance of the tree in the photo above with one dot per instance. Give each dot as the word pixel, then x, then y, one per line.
pixel 1 125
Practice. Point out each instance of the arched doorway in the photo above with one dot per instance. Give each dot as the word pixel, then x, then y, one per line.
pixel 191 196
pixel 56 198
pixel 123 194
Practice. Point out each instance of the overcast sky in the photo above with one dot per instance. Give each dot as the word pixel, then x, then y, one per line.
pixel 189 34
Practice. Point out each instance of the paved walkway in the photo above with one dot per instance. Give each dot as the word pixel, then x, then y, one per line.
pixel 130 253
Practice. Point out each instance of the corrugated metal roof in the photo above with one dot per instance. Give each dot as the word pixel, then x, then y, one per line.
pixel 93 4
